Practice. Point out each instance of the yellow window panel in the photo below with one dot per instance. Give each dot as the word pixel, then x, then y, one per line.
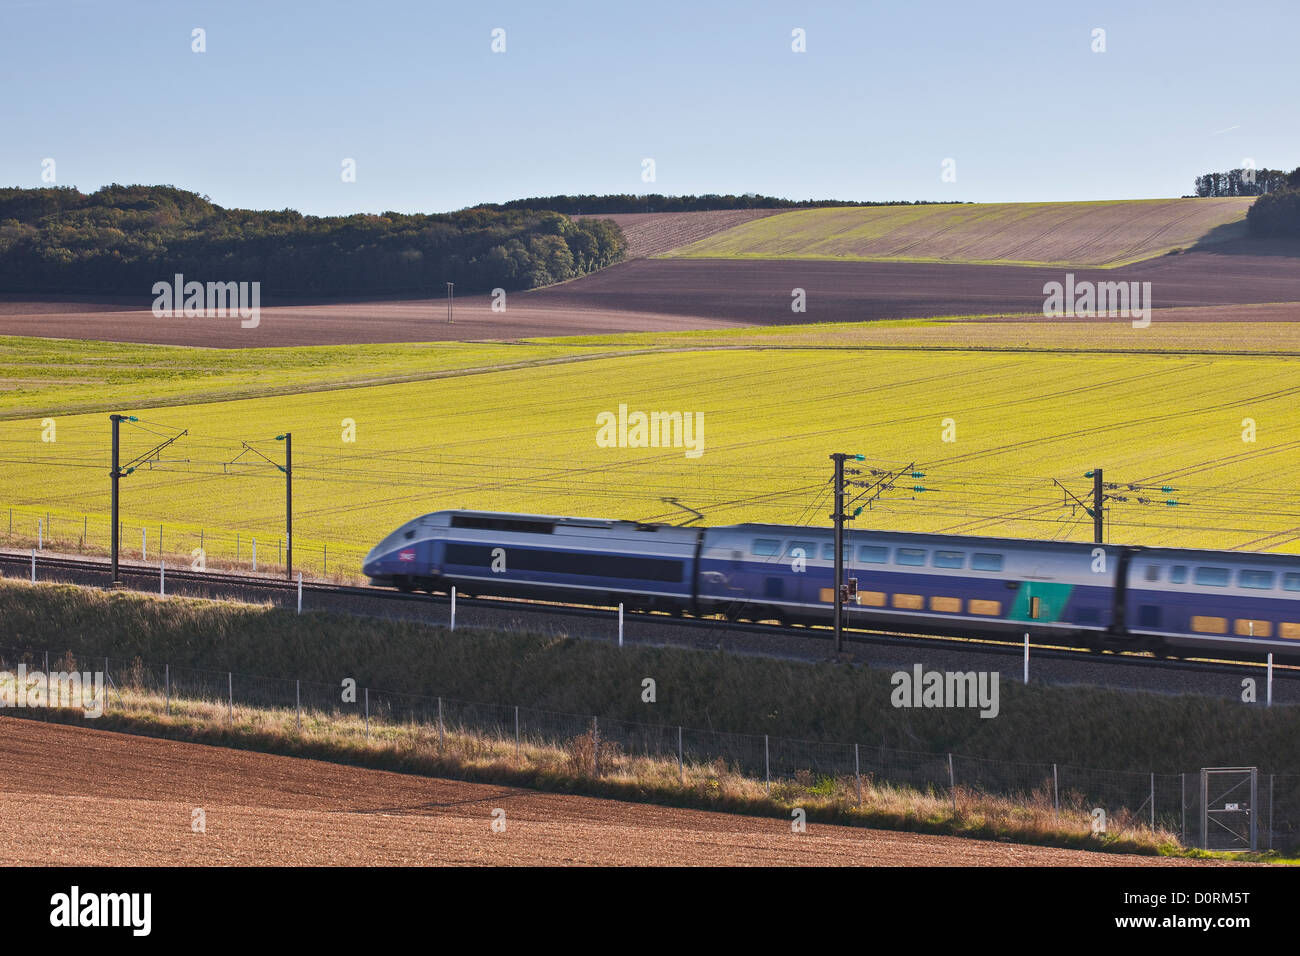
pixel 946 604
pixel 976 606
pixel 1209 625
pixel 1249 628
pixel 872 598
pixel 828 595
pixel 909 602
pixel 1289 630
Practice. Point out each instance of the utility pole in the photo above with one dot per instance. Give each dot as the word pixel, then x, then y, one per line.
pixel 1097 500
pixel 115 475
pixel 118 473
pixel 287 438
pixel 838 518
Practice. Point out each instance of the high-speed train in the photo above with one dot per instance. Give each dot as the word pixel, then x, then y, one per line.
pixel 1103 596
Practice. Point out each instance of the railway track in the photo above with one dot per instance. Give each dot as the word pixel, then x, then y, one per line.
pixel 884 648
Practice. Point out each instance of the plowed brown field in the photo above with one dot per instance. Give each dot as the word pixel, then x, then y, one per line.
pixel 654 233
pixel 674 294
pixel 74 796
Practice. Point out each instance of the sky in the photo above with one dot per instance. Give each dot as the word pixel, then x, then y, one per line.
pixel 285 93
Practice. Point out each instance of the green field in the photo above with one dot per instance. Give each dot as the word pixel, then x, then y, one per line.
pixel 524 439
pixel 1101 234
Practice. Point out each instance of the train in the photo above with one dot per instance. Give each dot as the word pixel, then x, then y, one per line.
pixel 1170 601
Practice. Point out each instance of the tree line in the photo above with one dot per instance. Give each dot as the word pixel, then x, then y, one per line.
pixel 1246 182
pixel 657 202
pixel 122 239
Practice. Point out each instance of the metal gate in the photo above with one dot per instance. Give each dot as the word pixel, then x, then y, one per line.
pixel 1228 804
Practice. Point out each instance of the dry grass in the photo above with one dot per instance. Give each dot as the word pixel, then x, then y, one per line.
pixel 571 766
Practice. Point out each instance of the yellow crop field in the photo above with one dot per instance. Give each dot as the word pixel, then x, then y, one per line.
pixel 1065 233
pixel 988 430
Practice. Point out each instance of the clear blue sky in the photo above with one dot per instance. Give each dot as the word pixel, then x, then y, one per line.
pixel 711 91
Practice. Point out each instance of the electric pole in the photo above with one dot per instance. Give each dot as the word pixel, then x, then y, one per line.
pixel 287 438
pixel 115 475
pixel 118 473
pixel 838 518
pixel 1097 500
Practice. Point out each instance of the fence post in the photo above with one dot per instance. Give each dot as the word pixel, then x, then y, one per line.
pixel 681 766
pixel 857 772
pixel 1026 657
pixel 167 683
pixel 620 623
pixel 440 740
pixel 236 545
pixel 33 565
pixel 952 787
pixel 85 529
pixel 453 607
pixel 254 554
pixel 1270 811
pixel 162 577
pixel 516 730
pixel 40 536
pixel 144 545
pixel 1056 796
pixel 1270 679
pixel 297 702
pixel 367 713
pixel 767 765
pixel 47 662
pixel 325 549
pixel 299 592
pixel 1182 803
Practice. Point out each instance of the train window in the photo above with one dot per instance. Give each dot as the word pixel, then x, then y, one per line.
pixel 1212 577
pixel 1289 630
pixel 484 523
pixel 767 547
pixel 1149 615
pixel 1178 574
pixel 1259 580
pixel 410 534
pixel 949 559
pixel 1246 627
pixel 977 606
pixel 1153 572
pixel 586 564
pixel 986 562
pixel 871 554
pixel 828 552
pixel 1035 607
pixel 1291 582
pixel 809 549
pixel 1202 624
pixel 910 556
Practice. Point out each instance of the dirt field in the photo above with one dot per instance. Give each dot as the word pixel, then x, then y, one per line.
pixel 654 233
pixel 672 294
pixel 71 796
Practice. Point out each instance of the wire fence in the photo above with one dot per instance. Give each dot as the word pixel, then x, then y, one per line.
pixel 1169 802
pixel 177 545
